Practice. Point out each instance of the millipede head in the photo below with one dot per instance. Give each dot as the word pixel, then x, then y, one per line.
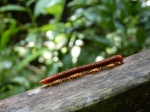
pixel 44 81
pixel 120 58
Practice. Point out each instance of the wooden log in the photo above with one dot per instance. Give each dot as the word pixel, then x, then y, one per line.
pixel 86 92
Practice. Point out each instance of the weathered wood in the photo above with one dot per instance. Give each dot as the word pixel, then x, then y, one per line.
pixel 85 91
pixel 136 99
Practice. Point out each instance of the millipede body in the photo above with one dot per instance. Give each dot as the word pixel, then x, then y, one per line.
pixel 79 69
pixel 81 74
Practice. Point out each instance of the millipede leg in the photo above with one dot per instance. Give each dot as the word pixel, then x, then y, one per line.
pixel 118 63
pixel 93 71
pixel 112 65
pixel 54 83
pixel 77 75
pixel 65 79
pixel 59 81
pixel 102 68
pixel 82 74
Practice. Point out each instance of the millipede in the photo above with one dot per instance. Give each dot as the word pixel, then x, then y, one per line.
pixel 83 70
pixel 81 74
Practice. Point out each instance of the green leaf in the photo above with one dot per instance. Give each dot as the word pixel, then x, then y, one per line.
pixel 11 7
pixel 28 59
pixel 55 7
pixel 91 35
pixel 21 80
pixel 102 40
pixel 47 27
pixel 29 2
pixel 6 34
pixel 52 69
pixel 88 54
pixel 10 90
pixel 140 35
pixel 67 62
pixel 55 10
pixel 92 14
pixel 40 7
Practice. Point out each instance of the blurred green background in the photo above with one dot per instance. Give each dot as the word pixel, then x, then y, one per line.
pixel 39 38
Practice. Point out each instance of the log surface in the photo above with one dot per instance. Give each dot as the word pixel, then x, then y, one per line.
pixel 83 92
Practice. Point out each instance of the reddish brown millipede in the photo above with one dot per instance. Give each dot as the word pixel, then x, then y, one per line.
pixel 59 77
pixel 81 74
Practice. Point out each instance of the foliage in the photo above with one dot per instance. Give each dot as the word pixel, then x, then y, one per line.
pixel 40 38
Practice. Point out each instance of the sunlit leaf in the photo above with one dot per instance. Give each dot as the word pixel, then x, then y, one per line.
pixel 55 7
pixel 11 7
pixel 40 7
pixel 28 59
pixel 47 27
pixel 29 2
